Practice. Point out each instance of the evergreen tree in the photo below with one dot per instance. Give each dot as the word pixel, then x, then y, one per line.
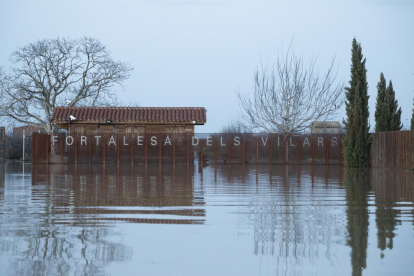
pixel 381 117
pixel 387 113
pixel 393 110
pixel 356 141
pixel 412 119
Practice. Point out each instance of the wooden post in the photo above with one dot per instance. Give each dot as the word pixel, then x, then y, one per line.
pixel 104 149
pixel 340 151
pixel 201 154
pixel 188 152
pixel 215 153
pixel 76 149
pixel 174 152
pixel 243 157
pixel 271 152
pixel 61 151
pixel 117 151
pixel 327 152
pixel 146 152
pixel 132 151
pixel 284 150
pixel 257 152
pixel 229 151
pixel 90 153
pixel 47 150
pixel 34 151
pixel 159 154
pixel 313 149
pixel 298 144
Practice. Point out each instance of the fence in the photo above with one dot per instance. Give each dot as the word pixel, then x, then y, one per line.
pixel 2 143
pixel 236 148
pixel 393 149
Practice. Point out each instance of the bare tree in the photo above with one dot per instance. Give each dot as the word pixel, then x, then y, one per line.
pixel 290 96
pixel 56 72
pixel 234 126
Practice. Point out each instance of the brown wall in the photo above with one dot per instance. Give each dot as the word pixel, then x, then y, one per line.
pixel 393 149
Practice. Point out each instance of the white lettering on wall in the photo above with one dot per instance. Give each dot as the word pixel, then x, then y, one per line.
pixel 71 140
pixel 140 139
pixel 264 141
pixel 153 141
pixel 54 139
pixel 237 141
pixel 221 142
pixel 306 142
pixel 334 141
pixel 112 141
pixel 320 140
pixel 291 142
pixel 83 140
pixel 193 141
pixel 209 141
pixel 167 141
pixel 97 140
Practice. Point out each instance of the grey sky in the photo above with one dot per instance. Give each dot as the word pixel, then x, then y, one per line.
pixel 199 53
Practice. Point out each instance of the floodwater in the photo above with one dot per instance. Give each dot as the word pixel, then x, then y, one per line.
pixel 224 220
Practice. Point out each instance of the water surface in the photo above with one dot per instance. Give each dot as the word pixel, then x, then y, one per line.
pixel 223 220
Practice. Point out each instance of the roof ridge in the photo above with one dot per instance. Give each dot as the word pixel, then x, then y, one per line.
pixel 129 106
pixel 125 113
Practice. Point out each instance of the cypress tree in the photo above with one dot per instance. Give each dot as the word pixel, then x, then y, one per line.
pixel 387 113
pixel 381 116
pixel 356 141
pixel 393 110
pixel 412 119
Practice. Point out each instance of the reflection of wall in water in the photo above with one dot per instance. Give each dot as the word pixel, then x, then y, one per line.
pixel 109 186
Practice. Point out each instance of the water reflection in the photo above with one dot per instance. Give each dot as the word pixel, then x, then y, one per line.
pixel 393 196
pixel 57 220
pixel 293 213
pixel 102 194
pixel 2 181
pixel 357 183
pixel 303 220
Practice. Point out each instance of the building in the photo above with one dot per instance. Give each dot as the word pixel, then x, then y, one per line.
pixel 28 130
pixel 127 120
pixel 327 127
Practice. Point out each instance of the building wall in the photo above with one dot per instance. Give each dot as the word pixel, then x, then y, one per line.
pixel 326 130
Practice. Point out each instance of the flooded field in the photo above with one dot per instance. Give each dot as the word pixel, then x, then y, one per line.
pixel 224 220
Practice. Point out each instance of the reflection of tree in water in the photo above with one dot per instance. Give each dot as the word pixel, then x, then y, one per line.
pixel 43 251
pixel 63 224
pixel 41 240
pixel 386 214
pixel 293 222
pixel 393 190
pixel 357 186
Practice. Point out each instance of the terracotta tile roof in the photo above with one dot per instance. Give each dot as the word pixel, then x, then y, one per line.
pixel 125 114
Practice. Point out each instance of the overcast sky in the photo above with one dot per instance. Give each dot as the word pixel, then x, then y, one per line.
pixel 201 52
